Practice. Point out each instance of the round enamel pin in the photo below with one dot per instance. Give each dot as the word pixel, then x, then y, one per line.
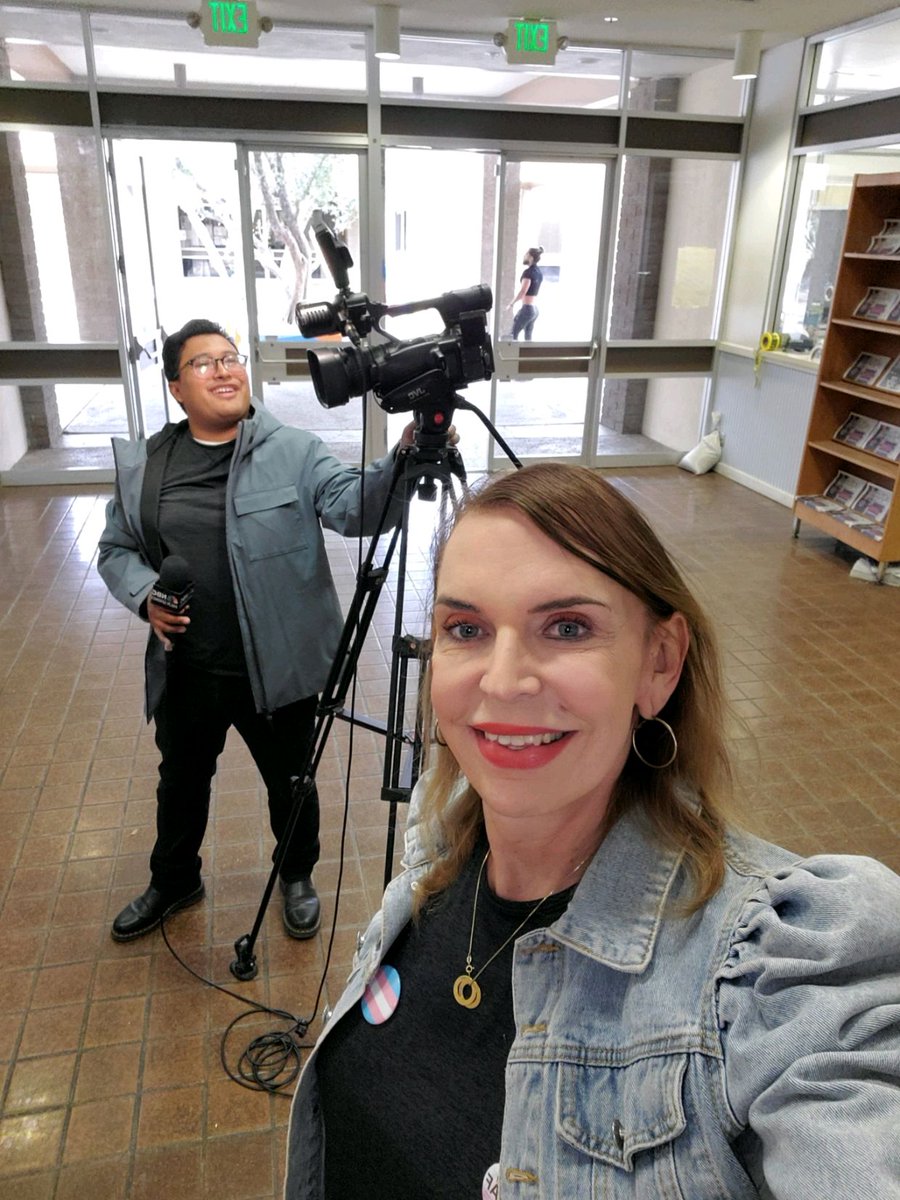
pixel 381 996
pixel 490 1185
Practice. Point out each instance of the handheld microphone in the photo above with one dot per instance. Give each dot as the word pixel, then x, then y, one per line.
pixel 173 589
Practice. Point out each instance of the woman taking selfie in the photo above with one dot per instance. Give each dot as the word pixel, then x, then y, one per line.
pixel 586 982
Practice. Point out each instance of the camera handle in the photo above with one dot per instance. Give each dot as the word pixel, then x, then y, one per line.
pixel 417 469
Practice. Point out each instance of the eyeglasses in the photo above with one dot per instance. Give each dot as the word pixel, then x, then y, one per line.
pixel 203 364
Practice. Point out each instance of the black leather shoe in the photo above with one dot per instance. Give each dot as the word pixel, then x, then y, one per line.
pixel 302 911
pixel 146 912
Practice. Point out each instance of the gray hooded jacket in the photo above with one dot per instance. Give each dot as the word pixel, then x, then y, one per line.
pixel 283 486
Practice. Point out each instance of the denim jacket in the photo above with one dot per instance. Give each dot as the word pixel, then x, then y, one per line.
pixel 749 1050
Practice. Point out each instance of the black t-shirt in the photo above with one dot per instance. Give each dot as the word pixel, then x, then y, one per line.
pixel 192 524
pixel 535 277
pixel 414 1107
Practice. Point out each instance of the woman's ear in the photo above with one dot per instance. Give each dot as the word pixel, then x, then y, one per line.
pixel 667 649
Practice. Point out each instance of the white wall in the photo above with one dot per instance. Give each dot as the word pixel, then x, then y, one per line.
pixel 767 160
pixel 764 408
pixel 765 414
pixel 13 441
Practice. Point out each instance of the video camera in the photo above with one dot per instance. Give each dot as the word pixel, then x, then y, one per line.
pixel 403 375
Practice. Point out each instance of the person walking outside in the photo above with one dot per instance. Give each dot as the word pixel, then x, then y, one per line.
pixel 530 280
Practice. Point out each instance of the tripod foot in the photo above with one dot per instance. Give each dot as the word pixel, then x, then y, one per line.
pixel 244 966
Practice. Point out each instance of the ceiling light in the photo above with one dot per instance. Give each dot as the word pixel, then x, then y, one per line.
pixel 387 31
pixel 747 50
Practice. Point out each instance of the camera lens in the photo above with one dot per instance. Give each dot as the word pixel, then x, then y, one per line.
pixel 338 374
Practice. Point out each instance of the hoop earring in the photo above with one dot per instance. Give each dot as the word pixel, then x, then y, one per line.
pixel 438 738
pixel 660 766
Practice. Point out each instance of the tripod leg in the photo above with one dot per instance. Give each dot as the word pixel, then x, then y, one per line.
pixel 399 779
pixel 410 470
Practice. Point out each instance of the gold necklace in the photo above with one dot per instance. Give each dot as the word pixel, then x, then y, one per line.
pixel 466 990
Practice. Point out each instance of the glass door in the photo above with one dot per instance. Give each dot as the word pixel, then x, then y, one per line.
pixel 282 191
pixel 551 241
pixel 177 213
pixel 440 217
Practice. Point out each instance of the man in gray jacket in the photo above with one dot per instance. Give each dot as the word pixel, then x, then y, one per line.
pixel 239 497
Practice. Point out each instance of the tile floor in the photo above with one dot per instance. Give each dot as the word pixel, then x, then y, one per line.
pixel 112 1085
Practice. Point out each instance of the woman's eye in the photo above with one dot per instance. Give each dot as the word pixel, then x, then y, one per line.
pixel 463 631
pixel 568 629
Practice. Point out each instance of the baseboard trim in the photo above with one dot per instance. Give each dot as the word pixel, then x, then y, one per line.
pixel 756 485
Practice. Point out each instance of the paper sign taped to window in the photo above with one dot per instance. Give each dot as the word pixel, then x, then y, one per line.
pixel 695 275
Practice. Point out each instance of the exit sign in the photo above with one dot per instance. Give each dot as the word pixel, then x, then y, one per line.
pixel 230 23
pixel 531 41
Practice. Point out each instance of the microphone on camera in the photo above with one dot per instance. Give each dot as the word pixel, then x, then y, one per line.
pixel 173 589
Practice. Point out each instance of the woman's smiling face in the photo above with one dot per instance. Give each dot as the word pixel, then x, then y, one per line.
pixel 539 665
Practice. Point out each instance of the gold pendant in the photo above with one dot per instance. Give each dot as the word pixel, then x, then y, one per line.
pixel 466 991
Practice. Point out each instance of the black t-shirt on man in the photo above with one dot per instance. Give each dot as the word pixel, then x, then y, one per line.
pixel 192 524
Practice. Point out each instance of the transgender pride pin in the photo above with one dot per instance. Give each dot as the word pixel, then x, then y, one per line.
pixel 381 996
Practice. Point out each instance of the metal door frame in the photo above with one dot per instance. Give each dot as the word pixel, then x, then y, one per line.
pixel 592 350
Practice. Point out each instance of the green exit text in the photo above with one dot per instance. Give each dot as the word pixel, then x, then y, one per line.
pixel 227 17
pixel 532 37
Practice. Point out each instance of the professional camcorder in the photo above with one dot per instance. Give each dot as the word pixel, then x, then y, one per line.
pixel 403 375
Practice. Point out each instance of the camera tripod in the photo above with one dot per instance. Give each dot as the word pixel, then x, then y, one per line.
pixel 418 470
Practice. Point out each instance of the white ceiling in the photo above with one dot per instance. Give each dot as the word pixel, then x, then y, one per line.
pixel 708 24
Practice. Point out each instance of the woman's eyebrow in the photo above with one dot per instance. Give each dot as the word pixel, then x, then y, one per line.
pixel 568 602
pixel 452 602
pixel 544 606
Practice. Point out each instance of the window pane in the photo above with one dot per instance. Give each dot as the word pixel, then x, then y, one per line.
pixel 650 415
pixel 542 418
pixel 857 64
pixel 286 187
pixel 670 248
pixel 460 69
pixel 162 51
pixel 817 233
pixel 40 47
pixel 56 263
pixel 681 83
pixel 439 229
pixel 556 207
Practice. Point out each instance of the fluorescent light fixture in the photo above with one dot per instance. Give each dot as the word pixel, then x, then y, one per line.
pixel 387 31
pixel 747 50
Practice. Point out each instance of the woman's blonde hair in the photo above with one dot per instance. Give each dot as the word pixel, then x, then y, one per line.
pixel 584 514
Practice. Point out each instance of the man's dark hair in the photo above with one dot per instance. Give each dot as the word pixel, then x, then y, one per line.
pixel 174 343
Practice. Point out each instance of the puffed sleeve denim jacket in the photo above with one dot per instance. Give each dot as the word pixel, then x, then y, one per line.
pixel 750 1050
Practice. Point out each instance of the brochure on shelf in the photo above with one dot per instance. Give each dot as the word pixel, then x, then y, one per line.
pixel 873 502
pixel 877 304
pixel 884 441
pixel 821 503
pixel 866 368
pixel 885 242
pixel 845 488
pixel 890 380
pixel 856 430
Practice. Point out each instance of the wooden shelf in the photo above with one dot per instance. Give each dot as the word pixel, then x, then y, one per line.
pixel 874 199
pixel 875 395
pixel 873 326
pixel 838 530
pixel 881 466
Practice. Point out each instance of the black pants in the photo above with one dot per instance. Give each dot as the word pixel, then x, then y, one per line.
pixel 191 724
pixel 524 320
